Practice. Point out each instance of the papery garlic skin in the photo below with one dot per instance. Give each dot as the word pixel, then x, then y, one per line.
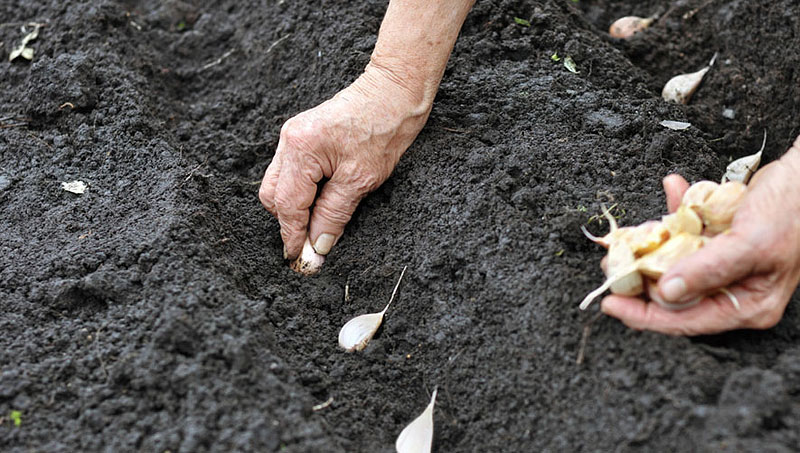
pixel 309 262
pixel 628 26
pixel 417 437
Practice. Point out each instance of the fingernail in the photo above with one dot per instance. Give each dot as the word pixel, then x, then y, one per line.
pixel 674 289
pixel 324 243
pixel 285 253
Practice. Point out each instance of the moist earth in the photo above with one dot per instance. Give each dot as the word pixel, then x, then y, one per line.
pixel 155 312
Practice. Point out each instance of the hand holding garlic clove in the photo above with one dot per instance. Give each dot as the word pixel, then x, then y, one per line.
pixel 757 259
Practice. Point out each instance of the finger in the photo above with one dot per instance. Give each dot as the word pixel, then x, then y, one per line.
pixel 711 315
pixel 294 194
pixel 333 209
pixel 725 259
pixel 266 193
pixel 674 186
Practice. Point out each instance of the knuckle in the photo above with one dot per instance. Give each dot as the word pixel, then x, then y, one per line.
pixel 297 132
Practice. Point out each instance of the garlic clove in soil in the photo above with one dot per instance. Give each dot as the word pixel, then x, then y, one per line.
pixel 742 169
pixel 417 437
pixel 680 88
pixel 357 332
pixel 309 262
pixel 628 26
pixel 718 210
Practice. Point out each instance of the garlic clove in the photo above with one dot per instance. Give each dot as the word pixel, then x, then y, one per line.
pixel 680 88
pixel 659 261
pixel 742 169
pixel 357 332
pixel 309 262
pixel 684 220
pixel 718 210
pixel 652 292
pixel 626 27
pixel 620 257
pixel 417 437
pixel 697 194
pixel 646 237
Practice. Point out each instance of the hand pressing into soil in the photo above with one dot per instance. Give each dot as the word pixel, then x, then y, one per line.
pixel 355 139
pixel 758 260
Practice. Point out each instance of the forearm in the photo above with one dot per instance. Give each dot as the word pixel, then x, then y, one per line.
pixel 415 41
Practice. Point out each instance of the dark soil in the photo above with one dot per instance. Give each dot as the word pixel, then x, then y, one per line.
pixel 155 312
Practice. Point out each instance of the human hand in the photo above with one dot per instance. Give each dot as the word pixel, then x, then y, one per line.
pixel 355 140
pixel 758 260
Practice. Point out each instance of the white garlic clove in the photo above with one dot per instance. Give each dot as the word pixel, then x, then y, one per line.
pixel 357 332
pixel 620 256
pixel 696 195
pixel 719 208
pixel 309 262
pixel 684 220
pixel 627 26
pixel 659 261
pixel 742 169
pixel 680 88
pixel 417 437
pixel 355 335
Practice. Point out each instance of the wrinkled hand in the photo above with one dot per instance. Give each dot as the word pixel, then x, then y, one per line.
pixel 355 140
pixel 758 260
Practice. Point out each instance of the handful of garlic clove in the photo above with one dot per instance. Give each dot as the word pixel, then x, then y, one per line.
pixel 638 256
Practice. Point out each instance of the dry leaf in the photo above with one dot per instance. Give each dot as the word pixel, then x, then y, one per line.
pixel 675 125
pixel 77 187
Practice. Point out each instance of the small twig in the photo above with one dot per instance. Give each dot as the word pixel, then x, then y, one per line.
pixel 691 13
pixel 587 329
pixel 272 46
pixel 218 60
pixel 191 173
pixel 320 406
pixel 39 139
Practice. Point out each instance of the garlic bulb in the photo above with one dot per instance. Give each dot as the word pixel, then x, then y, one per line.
pixel 628 26
pixel 680 88
pixel 417 437
pixel 309 262
pixel 357 332
pixel 718 210
pixel 742 169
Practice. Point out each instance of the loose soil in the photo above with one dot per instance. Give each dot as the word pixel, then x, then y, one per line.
pixel 155 312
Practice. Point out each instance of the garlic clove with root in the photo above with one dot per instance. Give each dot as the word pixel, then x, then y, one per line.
pixel 718 210
pixel 628 26
pixel 680 88
pixel 620 257
pixel 357 332
pixel 742 169
pixel 417 437
pixel 309 262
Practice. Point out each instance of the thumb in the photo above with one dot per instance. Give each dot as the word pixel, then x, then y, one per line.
pixel 332 210
pixel 725 259
pixel 674 186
